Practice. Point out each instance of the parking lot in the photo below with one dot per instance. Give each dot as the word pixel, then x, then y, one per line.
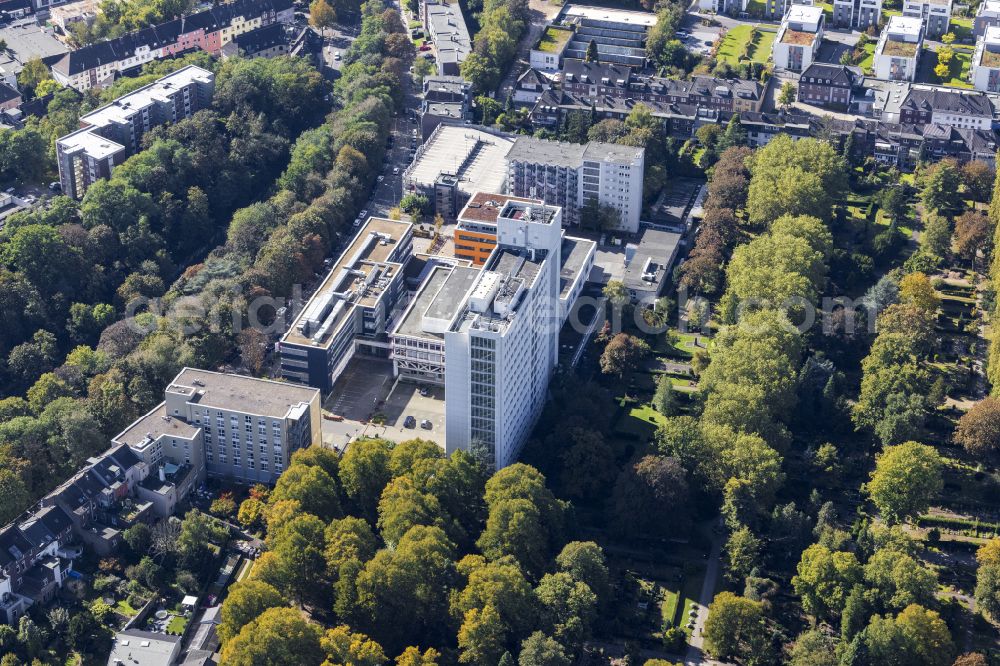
pixel 366 390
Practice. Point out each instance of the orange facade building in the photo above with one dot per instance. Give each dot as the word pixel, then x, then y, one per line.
pixel 476 231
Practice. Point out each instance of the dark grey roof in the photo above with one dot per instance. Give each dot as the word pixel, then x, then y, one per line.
pixel 594 72
pixel 13 545
pixel 7 93
pixel 163 34
pixel 261 39
pixel 969 103
pixel 840 75
pixel 532 76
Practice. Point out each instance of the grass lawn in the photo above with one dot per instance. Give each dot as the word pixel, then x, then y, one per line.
pixel 690 591
pixel 647 414
pixel 125 608
pixel 958 70
pixel 761 50
pixel 668 607
pixel 734 43
pixel 553 39
pixel 961 28
pixel 866 62
pixel 176 625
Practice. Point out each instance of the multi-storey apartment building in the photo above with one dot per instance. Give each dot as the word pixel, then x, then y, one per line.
pixel 859 14
pixel 103 499
pixel 799 38
pixel 898 49
pixel 611 91
pixel 208 30
pixel 447 99
pixel 228 426
pixel 33 562
pixel 936 15
pixel 987 15
pixel 925 105
pixel 351 307
pixel 986 61
pixel 827 85
pixel 619 34
pixel 446 28
pixel 569 175
pixel 110 134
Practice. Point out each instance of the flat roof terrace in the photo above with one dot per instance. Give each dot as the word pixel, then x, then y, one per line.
pixel 484 207
pixel 153 425
pixel 798 37
pixel 358 278
pixel 440 297
pixel 573 254
pixel 120 110
pixel 898 48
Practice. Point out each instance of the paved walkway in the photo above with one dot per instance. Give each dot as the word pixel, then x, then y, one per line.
pixel 695 655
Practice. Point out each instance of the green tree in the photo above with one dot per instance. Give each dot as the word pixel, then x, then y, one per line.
pixel 403 593
pixel 736 628
pixel 915 637
pixel 809 175
pixel 312 487
pixel 936 238
pixel 591 51
pixel 246 601
pixel 905 480
pixel 941 190
pixel 623 354
pixel 541 650
pixel 824 579
pixel 896 579
pixel 348 539
pixel 278 636
pixel 364 473
pixel 344 647
pixel 743 550
pixel 665 398
pixel 814 647
pixel 402 506
pixel 31 75
pixel 299 548
pixel 322 15
pixel 788 94
pixel 585 562
pixel 568 609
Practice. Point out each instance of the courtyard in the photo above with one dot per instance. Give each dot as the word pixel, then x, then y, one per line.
pixel 370 402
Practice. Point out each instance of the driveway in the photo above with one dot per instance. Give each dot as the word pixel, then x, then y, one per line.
pixel 541 14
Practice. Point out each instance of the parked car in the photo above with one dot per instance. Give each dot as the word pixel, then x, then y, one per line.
pixel 363 214
pixel 409 422
pixel 424 391
pixel 425 424
pixel 380 178
pixel 425 47
pixel 395 171
pixel 336 55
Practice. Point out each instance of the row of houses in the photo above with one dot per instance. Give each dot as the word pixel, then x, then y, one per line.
pixel 923 119
pixel 210 424
pixel 209 30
